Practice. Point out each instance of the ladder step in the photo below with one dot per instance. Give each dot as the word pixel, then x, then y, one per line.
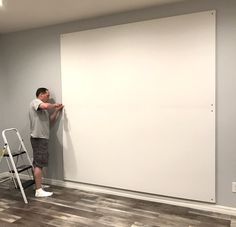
pixel 27 183
pixel 21 168
pixel 15 153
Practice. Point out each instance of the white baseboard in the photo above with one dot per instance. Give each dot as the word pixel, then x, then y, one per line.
pixel 153 198
pixel 137 195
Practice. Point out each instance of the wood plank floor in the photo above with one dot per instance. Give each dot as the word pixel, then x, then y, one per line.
pixel 72 207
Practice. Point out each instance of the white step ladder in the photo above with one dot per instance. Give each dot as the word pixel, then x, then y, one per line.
pixel 12 158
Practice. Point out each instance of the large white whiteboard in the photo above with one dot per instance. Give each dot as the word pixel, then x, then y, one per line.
pixel 140 106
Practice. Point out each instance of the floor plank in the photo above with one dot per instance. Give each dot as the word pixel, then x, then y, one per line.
pixel 72 207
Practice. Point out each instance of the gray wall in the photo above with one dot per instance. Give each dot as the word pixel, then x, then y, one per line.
pixel 3 89
pixel 32 59
pixel 3 99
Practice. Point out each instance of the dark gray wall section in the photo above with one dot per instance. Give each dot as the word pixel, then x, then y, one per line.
pixel 3 90
pixel 32 59
pixel 3 100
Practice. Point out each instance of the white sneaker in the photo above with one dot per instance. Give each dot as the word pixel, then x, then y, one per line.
pixel 41 193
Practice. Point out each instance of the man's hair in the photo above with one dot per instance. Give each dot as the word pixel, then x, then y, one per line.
pixel 41 90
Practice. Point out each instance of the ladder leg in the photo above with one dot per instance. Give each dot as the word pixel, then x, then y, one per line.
pixel 20 185
pixel 17 177
pixel 12 174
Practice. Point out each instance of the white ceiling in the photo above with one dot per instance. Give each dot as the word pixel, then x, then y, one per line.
pixel 19 15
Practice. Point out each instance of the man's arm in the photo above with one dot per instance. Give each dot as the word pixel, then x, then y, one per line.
pixel 57 106
pixel 54 115
pixel 46 105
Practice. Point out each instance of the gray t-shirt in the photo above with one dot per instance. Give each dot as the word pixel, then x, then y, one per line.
pixel 39 120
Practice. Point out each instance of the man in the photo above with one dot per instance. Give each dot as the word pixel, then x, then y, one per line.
pixel 39 126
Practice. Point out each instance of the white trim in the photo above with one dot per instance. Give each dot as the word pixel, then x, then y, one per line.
pixel 137 195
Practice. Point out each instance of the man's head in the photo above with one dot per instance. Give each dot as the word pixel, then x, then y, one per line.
pixel 42 94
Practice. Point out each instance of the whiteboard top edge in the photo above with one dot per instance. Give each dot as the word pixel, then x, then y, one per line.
pixel 211 12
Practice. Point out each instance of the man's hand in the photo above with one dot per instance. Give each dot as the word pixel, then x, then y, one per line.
pixel 59 106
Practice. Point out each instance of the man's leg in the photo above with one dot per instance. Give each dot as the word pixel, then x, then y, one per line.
pixel 38 177
pixel 39 192
pixel 40 155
